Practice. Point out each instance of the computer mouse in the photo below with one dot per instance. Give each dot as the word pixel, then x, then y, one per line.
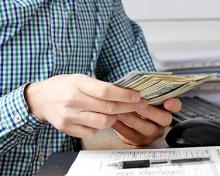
pixel 194 133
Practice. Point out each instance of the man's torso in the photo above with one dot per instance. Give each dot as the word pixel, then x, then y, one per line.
pixel 44 38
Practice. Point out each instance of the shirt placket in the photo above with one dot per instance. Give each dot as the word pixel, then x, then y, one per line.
pixel 57 20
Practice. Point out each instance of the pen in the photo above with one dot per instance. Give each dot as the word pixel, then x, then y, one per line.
pixel 149 163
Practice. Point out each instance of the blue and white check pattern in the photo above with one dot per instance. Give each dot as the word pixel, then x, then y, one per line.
pixel 43 38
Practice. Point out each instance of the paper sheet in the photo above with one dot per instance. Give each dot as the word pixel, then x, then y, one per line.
pixel 95 162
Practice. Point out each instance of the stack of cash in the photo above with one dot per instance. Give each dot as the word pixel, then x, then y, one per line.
pixel 159 86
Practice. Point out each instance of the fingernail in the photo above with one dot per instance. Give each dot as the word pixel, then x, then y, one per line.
pixel 122 118
pixel 136 97
pixel 170 104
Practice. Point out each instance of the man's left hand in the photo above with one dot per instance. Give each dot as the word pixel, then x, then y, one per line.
pixel 144 127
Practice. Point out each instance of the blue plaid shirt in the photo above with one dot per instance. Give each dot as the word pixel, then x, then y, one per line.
pixel 43 38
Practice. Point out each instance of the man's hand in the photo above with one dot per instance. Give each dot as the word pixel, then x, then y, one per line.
pixel 79 105
pixel 144 127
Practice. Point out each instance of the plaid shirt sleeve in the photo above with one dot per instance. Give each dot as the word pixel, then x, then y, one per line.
pixel 15 120
pixel 124 48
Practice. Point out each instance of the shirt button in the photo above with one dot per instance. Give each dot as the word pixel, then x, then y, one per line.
pixel 29 129
pixel 17 118
pixel 41 156
pixel 58 48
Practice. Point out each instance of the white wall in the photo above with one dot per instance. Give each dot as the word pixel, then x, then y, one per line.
pixel 172 9
pixel 176 20
pixel 181 31
pixel 179 27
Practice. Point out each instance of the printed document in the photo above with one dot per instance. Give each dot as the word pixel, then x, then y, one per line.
pixel 96 162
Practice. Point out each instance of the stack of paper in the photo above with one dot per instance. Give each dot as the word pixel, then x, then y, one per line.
pixel 187 57
pixel 158 86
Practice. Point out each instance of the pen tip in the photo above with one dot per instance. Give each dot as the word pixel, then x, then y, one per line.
pixel 116 165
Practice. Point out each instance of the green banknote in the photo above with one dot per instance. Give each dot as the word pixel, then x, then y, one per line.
pixel 159 86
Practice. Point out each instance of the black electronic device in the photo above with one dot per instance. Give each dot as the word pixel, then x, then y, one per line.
pixel 198 124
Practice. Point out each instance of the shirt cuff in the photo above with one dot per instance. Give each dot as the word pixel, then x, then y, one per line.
pixel 15 116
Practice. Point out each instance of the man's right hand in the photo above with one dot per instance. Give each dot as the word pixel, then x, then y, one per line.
pixel 79 105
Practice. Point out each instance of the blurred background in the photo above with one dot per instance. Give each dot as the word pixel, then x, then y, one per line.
pixel 183 36
pixel 176 20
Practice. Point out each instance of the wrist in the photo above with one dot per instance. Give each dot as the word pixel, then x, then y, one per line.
pixel 33 97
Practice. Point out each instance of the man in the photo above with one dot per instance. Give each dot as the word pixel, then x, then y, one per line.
pixel 47 47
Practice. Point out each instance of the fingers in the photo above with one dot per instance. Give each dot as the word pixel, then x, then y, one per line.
pixel 83 124
pixel 107 91
pixel 108 107
pixel 95 120
pixel 173 105
pixel 79 131
pixel 84 118
pixel 131 136
pixel 143 126
pixel 129 133
pixel 157 115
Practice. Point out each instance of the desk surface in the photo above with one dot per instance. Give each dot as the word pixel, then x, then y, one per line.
pixel 58 164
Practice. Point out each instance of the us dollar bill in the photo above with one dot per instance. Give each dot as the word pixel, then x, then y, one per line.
pixel 159 86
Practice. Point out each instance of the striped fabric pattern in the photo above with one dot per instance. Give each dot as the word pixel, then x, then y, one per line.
pixel 43 38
